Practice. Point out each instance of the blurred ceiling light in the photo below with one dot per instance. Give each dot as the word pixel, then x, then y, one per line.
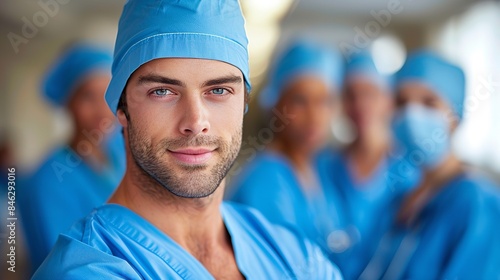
pixel 262 39
pixel 265 10
pixel 263 29
pixel 389 54
pixel 343 130
pixel 100 31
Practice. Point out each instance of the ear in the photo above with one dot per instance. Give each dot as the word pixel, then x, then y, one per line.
pixel 122 118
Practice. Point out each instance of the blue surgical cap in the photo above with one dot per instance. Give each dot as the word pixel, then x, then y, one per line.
pixel 361 65
pixel 445 79
pixel 74 65
pixel 299 59
pixel 152 29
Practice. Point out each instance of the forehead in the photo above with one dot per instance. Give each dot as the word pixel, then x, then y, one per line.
pixel 306 82
pixel 416 90
pixel 360 85
pixel 98 80
pixel 306 86
pixel 188 69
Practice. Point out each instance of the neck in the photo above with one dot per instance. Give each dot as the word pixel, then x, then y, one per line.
pixel 194 223
pixel 301 162
pixel 371 143
pixel 299 156
pixel 366 153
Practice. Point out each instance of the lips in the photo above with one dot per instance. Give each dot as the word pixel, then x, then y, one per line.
pixel 192 156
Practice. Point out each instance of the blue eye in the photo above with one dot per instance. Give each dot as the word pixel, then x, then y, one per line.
pixel 218 91
pixel 161 92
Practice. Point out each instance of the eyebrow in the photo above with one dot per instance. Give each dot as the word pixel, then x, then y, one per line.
pixel 153 78
pixel 231 79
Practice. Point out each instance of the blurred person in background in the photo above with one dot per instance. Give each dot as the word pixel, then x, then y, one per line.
pixel 282 182
pixel 362 173
pixel 81 175
pixel 451 219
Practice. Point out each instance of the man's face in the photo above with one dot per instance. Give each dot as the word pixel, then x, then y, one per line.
pixel 185 122
pixel 417 93
pixel 367 104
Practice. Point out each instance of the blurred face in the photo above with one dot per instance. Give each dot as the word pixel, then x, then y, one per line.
pixel 185 122
pixel 417 93
pixel 368 105
pixel 87 104
pixel 309 100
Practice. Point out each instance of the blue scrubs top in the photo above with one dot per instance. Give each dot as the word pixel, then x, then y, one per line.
pixel 116 243
pixel 366 206
pixel 270 185
pixel 62 191
pixel 456 237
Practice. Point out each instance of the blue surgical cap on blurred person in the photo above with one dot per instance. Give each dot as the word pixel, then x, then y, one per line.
pixel 302 58
pixel 442 77
pixel 362 66
pixel 72 68
pixel 201 29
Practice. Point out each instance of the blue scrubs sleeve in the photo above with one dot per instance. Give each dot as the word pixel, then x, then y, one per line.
pixel 80 261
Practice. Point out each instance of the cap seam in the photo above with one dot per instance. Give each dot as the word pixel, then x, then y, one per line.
pixel 176 33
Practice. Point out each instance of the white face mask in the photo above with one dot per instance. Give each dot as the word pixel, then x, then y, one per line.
pixel 423 133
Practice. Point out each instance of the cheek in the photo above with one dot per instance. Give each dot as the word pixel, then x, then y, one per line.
pixel 137 102
pixel 154 123
pixel 298 125
pixel 382 108
pixel 85 113
pixel 225 119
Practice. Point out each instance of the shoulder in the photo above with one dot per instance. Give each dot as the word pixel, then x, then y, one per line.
pixel 289 238
pixel 268 163
pixel 46 165
pixel 85 238
pixel 469 196
pixel 303 258
pixel 55 168
pixel 46 180
pixel 268 172
pixel 470 188
pixel 63 263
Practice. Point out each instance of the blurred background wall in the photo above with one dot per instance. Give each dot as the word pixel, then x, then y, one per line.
pixel 466 32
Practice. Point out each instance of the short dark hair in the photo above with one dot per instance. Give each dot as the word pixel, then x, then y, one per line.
pixel 122 104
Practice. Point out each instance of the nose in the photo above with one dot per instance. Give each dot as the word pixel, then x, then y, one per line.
pixel 194 117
